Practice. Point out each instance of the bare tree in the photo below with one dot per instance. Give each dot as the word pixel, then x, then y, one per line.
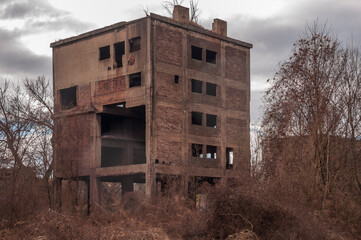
pixel 303 117
pixel 25 143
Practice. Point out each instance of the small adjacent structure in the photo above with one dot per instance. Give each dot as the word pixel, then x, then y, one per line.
pixel 152 99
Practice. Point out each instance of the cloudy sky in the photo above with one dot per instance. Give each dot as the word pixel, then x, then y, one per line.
pixel 27 27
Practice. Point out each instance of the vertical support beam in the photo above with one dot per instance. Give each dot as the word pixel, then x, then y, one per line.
pixel 150 175
pixel 95 190
pixel 57 195
pixel 185 144
pixel 223 112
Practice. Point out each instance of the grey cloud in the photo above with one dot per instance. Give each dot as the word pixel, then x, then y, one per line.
pixel 39 17
pixel 56 24
pixel 16 59
pixel 29 9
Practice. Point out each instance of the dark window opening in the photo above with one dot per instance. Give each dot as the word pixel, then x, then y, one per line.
pixel 197 150
pixel 197 86
pixel 176 79
pixel 104 52
pixel 229 158
pixel 211 120
pixel 211 152
pixel 119 52
pixel 211 89
pixel 68 98
pixel 211 57
pixel 197 53
pixel 135 80
pixel 197 118
pixel 134 44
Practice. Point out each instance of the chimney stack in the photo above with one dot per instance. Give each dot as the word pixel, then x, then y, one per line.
pixel 181 13
pixel 219 26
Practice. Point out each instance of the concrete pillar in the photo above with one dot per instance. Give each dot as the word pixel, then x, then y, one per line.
pixel 95 190
pixel 57 195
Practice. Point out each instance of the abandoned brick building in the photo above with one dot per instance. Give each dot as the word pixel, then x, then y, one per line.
pixel 142 100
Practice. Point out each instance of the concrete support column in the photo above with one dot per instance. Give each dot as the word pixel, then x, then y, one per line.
pixel 95 190
pixel 56 204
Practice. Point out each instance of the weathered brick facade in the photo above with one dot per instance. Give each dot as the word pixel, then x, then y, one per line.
pixel 137 101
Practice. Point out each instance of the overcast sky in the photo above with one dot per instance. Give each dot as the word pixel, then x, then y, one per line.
pixel 27 27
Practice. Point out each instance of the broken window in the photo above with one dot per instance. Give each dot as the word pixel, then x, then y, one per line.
pixel 229 158
pixel 197 118
pixel 211 89
pixel 104 52
pixel 196 53
pixel 68 98
pixel 135 80
pixel 211 57
pixel 197 86
pixel 134 44
pixel 197 150
pixel 211 151
pixel 176 79
pixel 211 120
pixel 119 52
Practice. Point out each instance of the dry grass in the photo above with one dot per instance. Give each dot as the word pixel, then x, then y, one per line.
pixel 246 210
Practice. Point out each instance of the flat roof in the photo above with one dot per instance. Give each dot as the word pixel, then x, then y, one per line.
pixel 186 25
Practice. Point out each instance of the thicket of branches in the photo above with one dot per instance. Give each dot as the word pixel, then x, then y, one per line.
pixel 312 126
pixel 25 147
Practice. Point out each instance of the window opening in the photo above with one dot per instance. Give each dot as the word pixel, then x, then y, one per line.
pixel 197 118
pixel 211 57
pixel 196 53
pixel 211 151
pixel 135 80
pixel 211 89
pixel 229 158
pixel 176 79
pixel 119 52
pixel 104 52
pixel 197 150
pixel 211 120
pixel 68 98
pixel 197 86
pixel 134 44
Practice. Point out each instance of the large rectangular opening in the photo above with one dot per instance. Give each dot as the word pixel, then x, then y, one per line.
pixel 119 52
pixel 113 189
pixel 197 118
pixel 68 98
pixel 196 53
pixel 122 135
pixel 211 152
pixel 211 57
pixel 197 150
pixel 135 80
pixel 211 89
pixel 197 86
pixel 104 52
pixel 229 158
pixel 211 120
pixel 134 44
